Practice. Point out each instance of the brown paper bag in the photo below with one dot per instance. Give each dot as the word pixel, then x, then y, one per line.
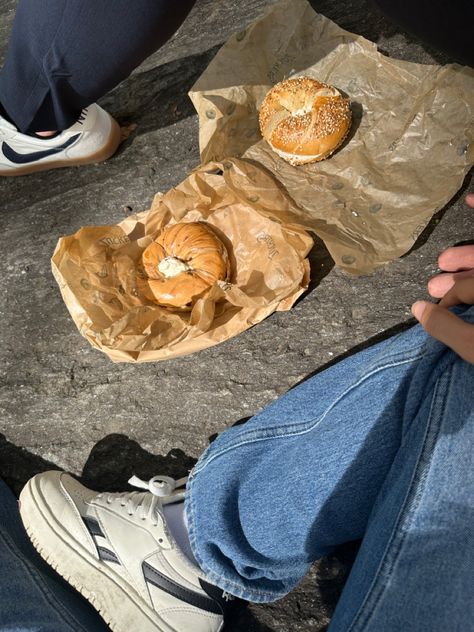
pixel 410 146
pixel 97 268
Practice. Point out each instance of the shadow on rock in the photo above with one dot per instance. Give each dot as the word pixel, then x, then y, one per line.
pixel 423 235
pixel 321 264
pixel 158 97
pixel 332 573
pixel 240 617
pixel 368 18
pixel 348 15
pixel 115 458
pixel 17 465
pixel 112 461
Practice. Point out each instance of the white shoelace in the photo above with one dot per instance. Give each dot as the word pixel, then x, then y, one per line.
pixel 165 487
pixel 160 490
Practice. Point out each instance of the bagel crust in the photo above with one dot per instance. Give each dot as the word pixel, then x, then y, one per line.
pixel 304 120
pixel 183 263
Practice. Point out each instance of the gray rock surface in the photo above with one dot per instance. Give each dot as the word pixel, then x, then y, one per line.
pixel 65 405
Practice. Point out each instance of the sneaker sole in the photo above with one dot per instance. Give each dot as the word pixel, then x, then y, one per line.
pixel 105 152
pixel 105 590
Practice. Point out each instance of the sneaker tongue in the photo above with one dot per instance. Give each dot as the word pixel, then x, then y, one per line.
pixel 141 501
pixel 147 501
pixel 132 499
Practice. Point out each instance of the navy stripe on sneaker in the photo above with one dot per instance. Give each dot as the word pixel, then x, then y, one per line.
pixel 21 159
pixel 220 596
pixel 94 529
pixel 106 555
pixel 195 599
pixel 93 526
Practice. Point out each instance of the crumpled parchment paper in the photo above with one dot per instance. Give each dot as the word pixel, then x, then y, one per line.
pixel 98 268
pixel 410 146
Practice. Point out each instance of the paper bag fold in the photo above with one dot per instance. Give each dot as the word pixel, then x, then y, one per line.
pixel 98 268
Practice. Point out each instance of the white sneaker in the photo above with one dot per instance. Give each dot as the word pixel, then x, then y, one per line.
pixel 93 138
pixel 117 551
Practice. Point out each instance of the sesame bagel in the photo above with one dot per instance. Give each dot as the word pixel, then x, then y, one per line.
pixel 304 120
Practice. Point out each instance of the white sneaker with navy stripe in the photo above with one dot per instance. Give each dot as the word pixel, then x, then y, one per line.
pixel 117 551
pixel 93 138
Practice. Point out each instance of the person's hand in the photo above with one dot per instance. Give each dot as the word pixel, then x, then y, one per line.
pixel 445 326
pixel 455 285
pixel 457 263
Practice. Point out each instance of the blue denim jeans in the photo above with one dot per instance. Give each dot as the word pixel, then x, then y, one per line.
pixel 377 447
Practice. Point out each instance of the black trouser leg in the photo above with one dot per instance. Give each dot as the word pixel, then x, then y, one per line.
pixel 444 24
pixel 64 55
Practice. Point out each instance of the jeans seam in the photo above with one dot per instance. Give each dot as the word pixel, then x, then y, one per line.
pixel 35 574
pixel 395 543
pixel 308 426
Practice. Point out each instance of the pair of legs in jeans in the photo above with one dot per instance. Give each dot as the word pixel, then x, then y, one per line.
pixel 377 447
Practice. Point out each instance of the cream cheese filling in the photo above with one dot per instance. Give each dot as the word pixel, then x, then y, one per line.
pixel 172 266
pixel 296 157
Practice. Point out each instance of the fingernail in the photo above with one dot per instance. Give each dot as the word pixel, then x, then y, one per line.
pixel 418 308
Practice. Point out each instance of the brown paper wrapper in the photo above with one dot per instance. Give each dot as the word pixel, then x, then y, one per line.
pixel 98 268
pixel 410 146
